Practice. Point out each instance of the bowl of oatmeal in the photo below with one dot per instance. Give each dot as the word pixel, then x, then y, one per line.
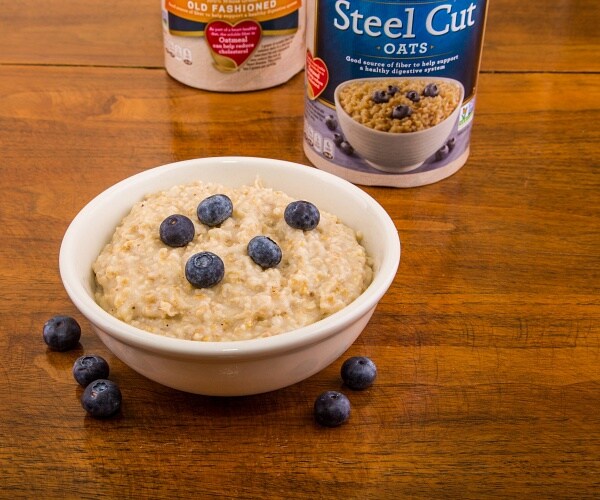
pixel 264 319
pixel 395 124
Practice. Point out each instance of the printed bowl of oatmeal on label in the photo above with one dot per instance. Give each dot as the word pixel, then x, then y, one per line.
pixel 229 276
pixel 395 124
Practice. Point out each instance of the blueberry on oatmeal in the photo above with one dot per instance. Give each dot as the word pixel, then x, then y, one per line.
pixel 413 96
pixel 215 210
pixel 302 215
pixel 380 96
pixel 204 270
pixel 431 90
pixel 176 230
pixel 264 252
pixel 401 111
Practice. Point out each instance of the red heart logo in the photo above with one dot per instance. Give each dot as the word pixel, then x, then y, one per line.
pixel 232 44
pixel 317 75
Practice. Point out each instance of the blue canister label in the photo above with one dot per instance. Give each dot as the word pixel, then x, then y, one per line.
pixel 359 49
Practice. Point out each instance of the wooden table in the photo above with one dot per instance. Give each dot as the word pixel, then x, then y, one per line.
pixel 487 344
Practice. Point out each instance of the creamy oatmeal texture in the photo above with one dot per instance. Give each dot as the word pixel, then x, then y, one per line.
pixel 357 100
pixel 141 281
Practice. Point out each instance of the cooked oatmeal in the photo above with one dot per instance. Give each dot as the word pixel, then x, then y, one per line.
pixel 141 281
pixel 399 106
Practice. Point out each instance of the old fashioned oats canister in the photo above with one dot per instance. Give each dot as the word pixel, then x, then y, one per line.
pixel 233 45
pixel 390 87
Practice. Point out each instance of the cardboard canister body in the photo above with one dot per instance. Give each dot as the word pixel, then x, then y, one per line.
pixel 233 46
pixel 371 115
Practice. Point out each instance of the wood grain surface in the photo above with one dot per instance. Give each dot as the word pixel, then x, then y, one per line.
pixel 487 343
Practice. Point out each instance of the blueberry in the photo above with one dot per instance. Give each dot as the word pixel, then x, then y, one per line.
pixel 380 96
pixel 346 148
pixel 400 112
pixel 61 333
pixel 413 95
pixel 204 269
pixel 358 372
pixel 331 123
pixel 451 143
pixel 264 251
pixel 302 215
pixel 176 230
pixel 392 90
pixel 88 368
pixel 338 139
pixel 332 408
pixel 442 153
pixel 215 209
pixel 431 90
pixel 101 398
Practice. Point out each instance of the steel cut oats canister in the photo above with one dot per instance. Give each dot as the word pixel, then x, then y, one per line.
pixel 390 87
pixel 233 45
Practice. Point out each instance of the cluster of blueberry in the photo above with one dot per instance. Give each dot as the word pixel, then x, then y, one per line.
pixel 332 408
pixel 445 150
pixel 338 139
pixel 403 111
pixel 206 269
pixel 101 397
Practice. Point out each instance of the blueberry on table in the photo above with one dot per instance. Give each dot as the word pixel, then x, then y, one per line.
pixel 401 111
pixel 331 123
pixel 338 139
pixel 88 368
pixel 331 409
pixel 358 372
pixel 264 252
pixel 215 210
pixel 61 333
pixel 302 215
pixel 176 230
pixel 204 269
pixel 102 398
pixel 431 90
pixel 413 96
pixel 380 97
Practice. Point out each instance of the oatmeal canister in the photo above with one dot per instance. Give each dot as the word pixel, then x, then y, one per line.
pixel 390 87
pixel 233 45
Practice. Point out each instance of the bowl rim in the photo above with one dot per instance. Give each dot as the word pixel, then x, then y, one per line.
pixel 339 108
pixel 254 348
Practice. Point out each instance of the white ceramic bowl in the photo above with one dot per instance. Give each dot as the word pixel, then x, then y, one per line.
pixel 396 152
pixel 240 367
